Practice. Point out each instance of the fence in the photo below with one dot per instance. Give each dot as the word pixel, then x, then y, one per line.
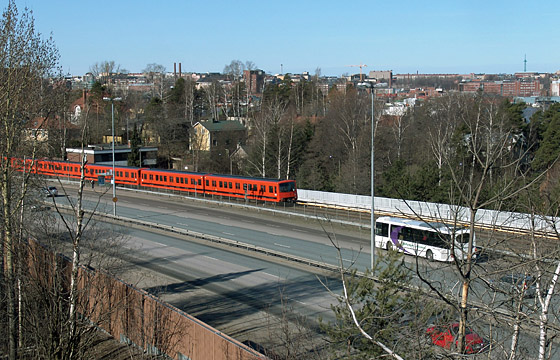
pixel 489 218
pixel 136 317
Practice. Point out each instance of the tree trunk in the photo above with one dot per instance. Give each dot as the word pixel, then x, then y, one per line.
pixel 9 265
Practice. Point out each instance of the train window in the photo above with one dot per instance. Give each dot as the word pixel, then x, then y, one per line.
pixel 171 179
pixel 165 178
pixel 230 185
pixel 182 180
pixel 207 182
pixel 221 184
pixel 151 177
pixel 263 188
pixel 157 177
pixel 237 186
pixel 244 186
pixel 126 174
pixel 271 189
pixel 214 183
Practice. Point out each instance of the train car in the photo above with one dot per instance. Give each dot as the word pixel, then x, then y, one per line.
pixel 251 188
pixel 58 168
pixel 27 165
pixel 123 174
pixel 192 182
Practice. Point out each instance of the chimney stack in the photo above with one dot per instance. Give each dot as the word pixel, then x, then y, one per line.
pixel 175 70
pixel 179 69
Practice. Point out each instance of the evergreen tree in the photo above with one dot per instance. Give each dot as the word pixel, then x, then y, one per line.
pixel 380 307
pixel 549 147
pixel 134 156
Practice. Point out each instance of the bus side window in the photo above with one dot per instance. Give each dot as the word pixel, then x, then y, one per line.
pixel 382 229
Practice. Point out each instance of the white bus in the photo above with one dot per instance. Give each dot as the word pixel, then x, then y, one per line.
pixel 432 240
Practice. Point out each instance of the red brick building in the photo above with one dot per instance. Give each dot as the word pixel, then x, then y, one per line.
pixel 504 88
pixel 254 80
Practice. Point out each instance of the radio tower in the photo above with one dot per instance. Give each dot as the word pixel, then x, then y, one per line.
pixel 525 64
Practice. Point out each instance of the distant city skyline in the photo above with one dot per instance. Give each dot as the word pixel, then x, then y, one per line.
pixel 296 36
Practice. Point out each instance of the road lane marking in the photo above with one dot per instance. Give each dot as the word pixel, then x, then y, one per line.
pixel 282 245
pixel 226 233
pixel 274 276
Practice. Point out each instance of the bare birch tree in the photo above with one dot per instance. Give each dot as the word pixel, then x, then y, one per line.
pixel 485 172
pixel 27 62
pixel 268 119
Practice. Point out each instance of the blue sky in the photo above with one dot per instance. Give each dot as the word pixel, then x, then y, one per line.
pixel 451 36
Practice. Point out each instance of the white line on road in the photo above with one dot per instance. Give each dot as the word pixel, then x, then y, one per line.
pixel 274 276
pixel 282 245
pixel 226 233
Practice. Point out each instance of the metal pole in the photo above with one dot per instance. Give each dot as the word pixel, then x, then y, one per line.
pixel 113 175
pixel 372 182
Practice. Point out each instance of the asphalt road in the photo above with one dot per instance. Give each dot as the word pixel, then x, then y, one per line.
pixel 231 291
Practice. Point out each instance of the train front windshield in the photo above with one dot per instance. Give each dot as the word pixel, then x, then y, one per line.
pixel 287 187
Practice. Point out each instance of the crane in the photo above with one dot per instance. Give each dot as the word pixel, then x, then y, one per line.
pixel 360 66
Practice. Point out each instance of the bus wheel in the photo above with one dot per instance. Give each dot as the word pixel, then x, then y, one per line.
pixel 430 255
pixel 388 246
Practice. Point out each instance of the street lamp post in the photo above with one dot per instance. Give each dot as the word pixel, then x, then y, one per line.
pixel 372 178
pixel 112 100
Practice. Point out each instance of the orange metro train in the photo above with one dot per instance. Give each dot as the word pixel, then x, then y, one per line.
pixel 263 189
